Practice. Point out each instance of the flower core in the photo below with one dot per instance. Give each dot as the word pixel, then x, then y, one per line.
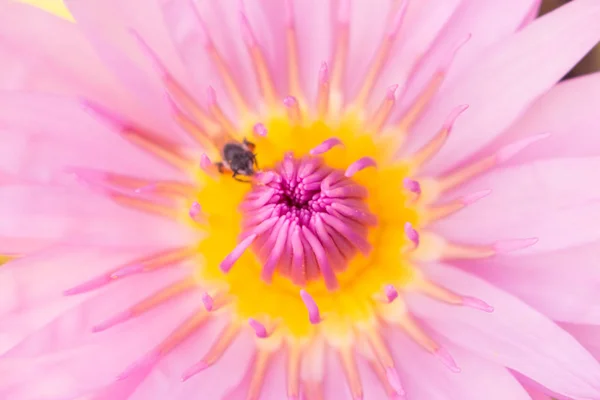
pixel 309 220
pixel 321 215
pixel 318 251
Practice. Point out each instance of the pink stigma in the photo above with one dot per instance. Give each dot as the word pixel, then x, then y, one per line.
pixel 475 196
pixel 194 370
pixel 208 301
pixel 512 149
pixel 304 220
pixel 446 359
pixel 390 93
pixel 259 329
pixel 290 101
pixel 195 211
pixel 206 164
pixel 126 271
pixel 394 380
pixel 324 74
pixel 314 315
pixel 326 146
pixel 508 246
pixel 476 303
pixel 411 233
pixel 260 130
pixel 359 165
pixel 412 186
pixel 390 293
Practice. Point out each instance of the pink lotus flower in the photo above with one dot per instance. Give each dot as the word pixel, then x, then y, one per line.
pixel 422 221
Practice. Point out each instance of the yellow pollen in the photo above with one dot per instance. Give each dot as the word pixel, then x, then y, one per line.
pixel 365 275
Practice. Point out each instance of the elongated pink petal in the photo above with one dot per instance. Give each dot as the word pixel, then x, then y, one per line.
pixel 40 62
pixel 548 199
pixel 42 140
pixel 63 347
pixel 588 336
pixel 421 29
pixel 118 48
pixel 567 111
pixel 43 214
pixel 477 375
pixel 516 336
pixel 561 284
pixel 556 41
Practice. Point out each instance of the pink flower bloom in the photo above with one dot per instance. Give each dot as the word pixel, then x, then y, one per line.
pixel 421 220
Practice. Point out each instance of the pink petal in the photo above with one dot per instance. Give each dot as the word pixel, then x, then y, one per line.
pixel 536 395
pixel 53 55
pixel 552 200
pixel 313 28
pixel 568 111
pixel 185 26
pixel 588 336
pixel 40 59
pixel 117 47
pixel 44 214
pixel 66 347
pixel 420 31
pixel 31 281
pixel 561 284
pixel 222 21
pixel 530 62
pixel 274 384
pixel 514 335
pixel 164 381
pixel 47 135
pixel 487 21
pixel 533 13
pixel 425 378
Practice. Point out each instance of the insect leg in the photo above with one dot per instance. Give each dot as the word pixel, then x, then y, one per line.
pixel 251 146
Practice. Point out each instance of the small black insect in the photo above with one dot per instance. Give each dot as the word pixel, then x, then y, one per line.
pixel 239 158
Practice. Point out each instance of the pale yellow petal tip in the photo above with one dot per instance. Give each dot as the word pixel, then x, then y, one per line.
pixel 56 7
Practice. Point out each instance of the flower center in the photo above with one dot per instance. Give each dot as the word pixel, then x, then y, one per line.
pixel 320 216
pixel 307 219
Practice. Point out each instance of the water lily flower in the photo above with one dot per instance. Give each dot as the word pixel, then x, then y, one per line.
pixel 299 199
